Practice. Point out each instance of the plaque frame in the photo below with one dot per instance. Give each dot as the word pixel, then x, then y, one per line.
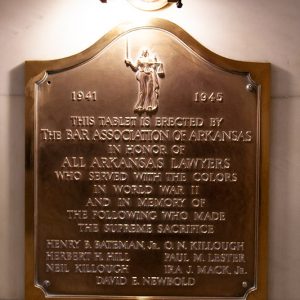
pixel 260 74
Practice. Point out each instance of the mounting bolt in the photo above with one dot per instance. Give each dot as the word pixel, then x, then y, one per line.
pixel 244 284
pixel 46 283
pixel 179 4
pixel 250 87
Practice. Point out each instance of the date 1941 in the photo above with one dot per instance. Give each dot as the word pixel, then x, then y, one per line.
pixel 84 96
pixel 209 97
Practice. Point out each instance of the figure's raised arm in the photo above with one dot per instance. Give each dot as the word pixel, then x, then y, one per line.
pixel 131 64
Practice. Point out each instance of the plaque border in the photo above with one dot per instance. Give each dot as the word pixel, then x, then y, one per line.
pixel 258 74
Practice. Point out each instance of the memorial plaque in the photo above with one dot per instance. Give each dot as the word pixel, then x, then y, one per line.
pixel 146 171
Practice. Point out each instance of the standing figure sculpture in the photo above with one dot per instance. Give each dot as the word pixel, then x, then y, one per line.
pixel 147 69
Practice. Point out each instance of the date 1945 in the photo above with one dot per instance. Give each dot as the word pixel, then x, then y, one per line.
pixel 209 97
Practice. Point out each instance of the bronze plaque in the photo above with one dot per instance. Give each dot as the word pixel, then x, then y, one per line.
pixel 146 171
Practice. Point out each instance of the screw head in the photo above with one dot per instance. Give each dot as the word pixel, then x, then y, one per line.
pixel 244 284
pixel 46 283
pixel 250 87
pixel 179 4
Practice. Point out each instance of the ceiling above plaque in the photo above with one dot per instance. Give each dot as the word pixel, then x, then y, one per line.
pixel 149 4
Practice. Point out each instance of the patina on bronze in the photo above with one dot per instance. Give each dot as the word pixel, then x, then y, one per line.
pixel 146 171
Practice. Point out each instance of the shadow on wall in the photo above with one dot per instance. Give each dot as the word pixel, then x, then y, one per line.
pixel 280 206
pixel 16 177
pixel 281 81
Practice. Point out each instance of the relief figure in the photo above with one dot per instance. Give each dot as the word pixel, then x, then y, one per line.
pixel 147 70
